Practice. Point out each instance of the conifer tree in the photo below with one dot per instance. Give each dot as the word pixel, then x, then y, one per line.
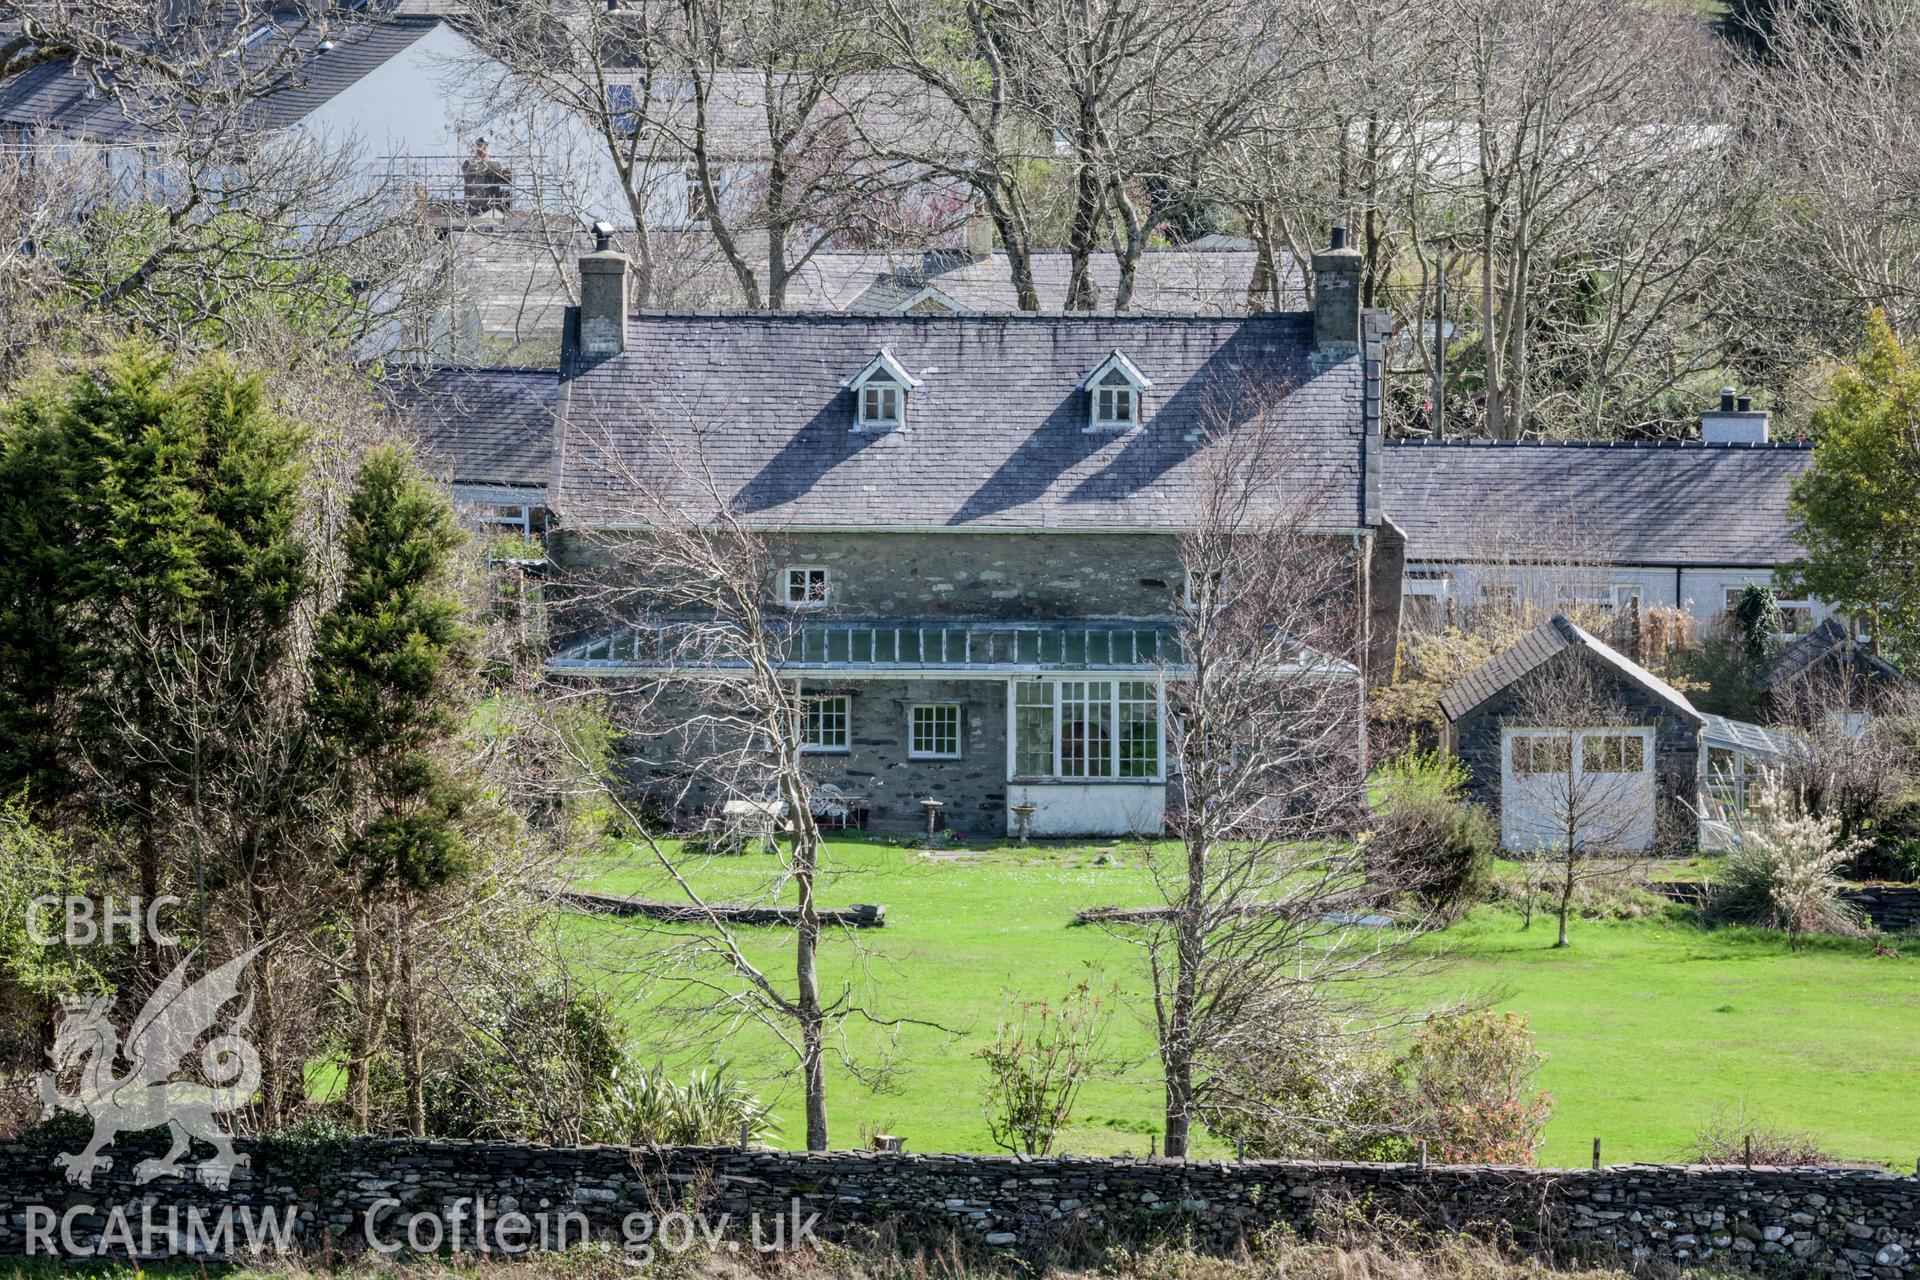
pixel 392 661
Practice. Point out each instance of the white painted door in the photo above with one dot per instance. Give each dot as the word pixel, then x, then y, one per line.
pixel 1595 784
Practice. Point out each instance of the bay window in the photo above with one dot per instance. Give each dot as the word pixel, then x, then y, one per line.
pixel 1086 730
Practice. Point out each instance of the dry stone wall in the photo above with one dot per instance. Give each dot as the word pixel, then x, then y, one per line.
pixel 382 1194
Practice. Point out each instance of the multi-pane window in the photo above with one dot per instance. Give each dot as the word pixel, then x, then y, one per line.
pixel 1139 715
pixel 1083 729
pixel 880 405
pixel 934 731
pixel 826 723
pixel 1541 753
pixel 807 587
pixel 1086 728
pixel 1613 753
pixel 1113 406
pixel 1033 729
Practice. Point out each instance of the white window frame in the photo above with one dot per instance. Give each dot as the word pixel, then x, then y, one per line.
pixel 1115 408
pixel 934 710
pixel 1117 706
pixel 823 704
pixel 878 390
pixel 1189 602
pixel 806 600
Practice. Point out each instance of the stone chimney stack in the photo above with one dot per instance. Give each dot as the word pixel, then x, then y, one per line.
pixel 603 297
pixel 1734 422
pixel 1336 294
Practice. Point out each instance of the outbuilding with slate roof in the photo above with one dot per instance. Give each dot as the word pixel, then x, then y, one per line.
pixel 1607 526
pixel 1616 769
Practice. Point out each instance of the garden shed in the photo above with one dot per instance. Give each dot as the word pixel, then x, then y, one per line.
pixel 1569 740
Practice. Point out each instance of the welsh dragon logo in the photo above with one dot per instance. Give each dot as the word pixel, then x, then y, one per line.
pixel 165 1032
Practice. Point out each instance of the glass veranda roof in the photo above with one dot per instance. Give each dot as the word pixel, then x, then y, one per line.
pixel 887 645
pixel 923 645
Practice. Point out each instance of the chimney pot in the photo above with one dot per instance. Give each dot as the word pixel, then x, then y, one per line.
pixel 1744 405
pixel 1726 399
pixel 1339 236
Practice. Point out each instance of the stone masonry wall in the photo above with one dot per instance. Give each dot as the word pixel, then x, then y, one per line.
pixel 1841 1222
pixel 1676 748
pixel 876 769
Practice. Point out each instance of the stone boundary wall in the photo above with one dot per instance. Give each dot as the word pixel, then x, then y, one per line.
pixel 1843 1222
pixel 1893 908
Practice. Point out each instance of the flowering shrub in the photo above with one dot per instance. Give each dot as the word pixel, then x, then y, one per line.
pixel 1468 1089
pixel 1783 872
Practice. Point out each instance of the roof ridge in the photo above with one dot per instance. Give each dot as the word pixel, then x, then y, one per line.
pixel 970 317
pixel 1425 442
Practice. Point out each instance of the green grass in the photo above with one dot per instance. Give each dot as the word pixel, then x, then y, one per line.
pixel 1651 1026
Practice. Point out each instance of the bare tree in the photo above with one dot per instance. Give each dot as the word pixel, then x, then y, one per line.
pixel 714 727
pixel 1263 932
pixel 1577 772
pixel 763 128
pixel 177 204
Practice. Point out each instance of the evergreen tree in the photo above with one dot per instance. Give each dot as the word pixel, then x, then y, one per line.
pixel 393 660
pixel 153 570
pixel 1858 505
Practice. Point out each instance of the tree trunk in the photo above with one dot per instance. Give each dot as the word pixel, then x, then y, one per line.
pixel 1566 899
pixel 1189 953
pixel 412 1053
pixel 1019 257
pixel 360 1047
pixel 807 982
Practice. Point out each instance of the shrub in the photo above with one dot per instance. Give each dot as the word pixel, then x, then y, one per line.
pixel 1040 1059
pixel 1783 870
pixel 1322 1101
pixel 1426 837
pixel 524 1064
pixel 1467 1089
pixel 647 1108
pixel 1739 1139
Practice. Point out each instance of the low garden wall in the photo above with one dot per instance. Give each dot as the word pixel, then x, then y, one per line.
pixel 1893 908
pixel 388 1195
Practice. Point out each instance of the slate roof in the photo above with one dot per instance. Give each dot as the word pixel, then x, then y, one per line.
pixel 515 285
pixel 1635 503
pixel 480 426
pixel 1555 635
pixel 895 111
pixel 1824 641
pixel 995 438
pixel 53 97
pixel 1213 281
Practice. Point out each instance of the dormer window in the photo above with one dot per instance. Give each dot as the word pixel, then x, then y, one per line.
pixel 880 393
pixel 1113 394
pixel 880 404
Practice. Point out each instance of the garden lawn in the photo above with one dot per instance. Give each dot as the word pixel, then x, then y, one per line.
pixel 1652 1027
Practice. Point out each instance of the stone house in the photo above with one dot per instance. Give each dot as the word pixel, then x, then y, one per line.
pixel 1623 772
pixel 1607 526
pixel 976 521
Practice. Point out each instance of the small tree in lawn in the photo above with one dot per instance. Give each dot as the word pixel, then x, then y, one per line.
pixel 1580 770
pixel 1041 1057
pixel 1468 1088
pixel 391 661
